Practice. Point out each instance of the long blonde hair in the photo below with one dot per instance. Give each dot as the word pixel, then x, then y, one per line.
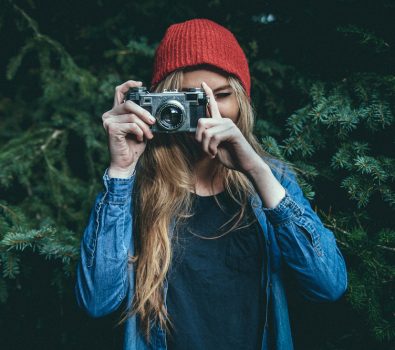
pixel 164 183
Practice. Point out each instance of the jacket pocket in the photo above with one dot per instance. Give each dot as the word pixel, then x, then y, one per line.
pixel 309 232
pixel 243 251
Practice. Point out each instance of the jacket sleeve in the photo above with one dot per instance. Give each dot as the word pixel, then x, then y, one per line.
pixel 101 278
pixel 308 248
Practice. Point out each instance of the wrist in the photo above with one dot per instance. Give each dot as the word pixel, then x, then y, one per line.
pixel 121 173
pixel 259 168
pixel 267 186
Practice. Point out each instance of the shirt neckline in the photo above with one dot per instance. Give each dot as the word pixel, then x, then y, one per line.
pixel 209 196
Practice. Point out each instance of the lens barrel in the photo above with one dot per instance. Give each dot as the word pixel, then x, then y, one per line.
pixel 170 115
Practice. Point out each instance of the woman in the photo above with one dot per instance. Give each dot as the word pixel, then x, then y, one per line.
pixel 197 232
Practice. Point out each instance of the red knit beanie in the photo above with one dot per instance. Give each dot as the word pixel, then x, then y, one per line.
pixel 197 42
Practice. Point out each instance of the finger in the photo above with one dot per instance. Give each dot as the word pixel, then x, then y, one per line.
pixel 215 141
pixel 225 135
pixel 212 105
pixel 217 134
pixel 129 118
pixel 203 124
pixel 132 128
pixel 131 107
pixel 122 89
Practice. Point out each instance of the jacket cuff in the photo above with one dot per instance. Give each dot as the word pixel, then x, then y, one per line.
pixel 285 211
pixel 118 191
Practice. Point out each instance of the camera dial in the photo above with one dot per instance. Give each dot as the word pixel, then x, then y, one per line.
pixel 195 89
pixel 167 91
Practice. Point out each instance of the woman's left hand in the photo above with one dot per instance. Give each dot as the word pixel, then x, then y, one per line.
pixel 222 139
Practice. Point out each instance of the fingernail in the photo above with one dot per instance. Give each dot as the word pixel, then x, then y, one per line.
pixel 152 119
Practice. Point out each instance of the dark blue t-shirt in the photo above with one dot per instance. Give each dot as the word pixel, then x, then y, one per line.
pixel 215 298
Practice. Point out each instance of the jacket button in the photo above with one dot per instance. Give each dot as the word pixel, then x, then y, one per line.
pixel 270 285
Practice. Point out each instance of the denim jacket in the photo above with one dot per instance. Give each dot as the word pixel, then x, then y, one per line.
pixel 293 236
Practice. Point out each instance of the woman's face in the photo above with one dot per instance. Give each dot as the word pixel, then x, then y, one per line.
pixel 224 94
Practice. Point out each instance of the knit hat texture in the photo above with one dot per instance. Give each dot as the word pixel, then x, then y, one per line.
pixel 197 42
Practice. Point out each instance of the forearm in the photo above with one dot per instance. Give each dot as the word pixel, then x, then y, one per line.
pixel 307 247
pixel 267 186
pixel 102 270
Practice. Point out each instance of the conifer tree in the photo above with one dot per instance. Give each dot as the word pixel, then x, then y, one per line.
pixel 323 91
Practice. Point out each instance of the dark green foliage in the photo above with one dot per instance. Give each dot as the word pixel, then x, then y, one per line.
pixel 323 89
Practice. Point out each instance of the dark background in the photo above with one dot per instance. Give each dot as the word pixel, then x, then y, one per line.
pixel 322 73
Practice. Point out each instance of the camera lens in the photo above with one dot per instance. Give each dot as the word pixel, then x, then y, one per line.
pixel 171 115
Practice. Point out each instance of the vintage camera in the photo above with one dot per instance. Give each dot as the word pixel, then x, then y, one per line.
pixel 174 111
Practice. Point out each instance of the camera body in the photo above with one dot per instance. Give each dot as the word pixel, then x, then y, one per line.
pixel 174 111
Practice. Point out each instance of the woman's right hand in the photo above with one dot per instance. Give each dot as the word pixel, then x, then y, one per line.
pixel 127 126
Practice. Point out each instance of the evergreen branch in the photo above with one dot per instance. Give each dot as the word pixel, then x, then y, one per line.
pixel 20 239
pixel 31 23
pixel 359 189
pixel 133 47
pixel 56 133
pixel 271 146
pixel 347 233
pixel 10 264
pixel 342 243
pixel 45 240
pixel 386 248
pixel 366 37
pixel 18 156
pixel 370 165
pixel 44 44
pixel 13 213
pixel 16 61
pixel 272 67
